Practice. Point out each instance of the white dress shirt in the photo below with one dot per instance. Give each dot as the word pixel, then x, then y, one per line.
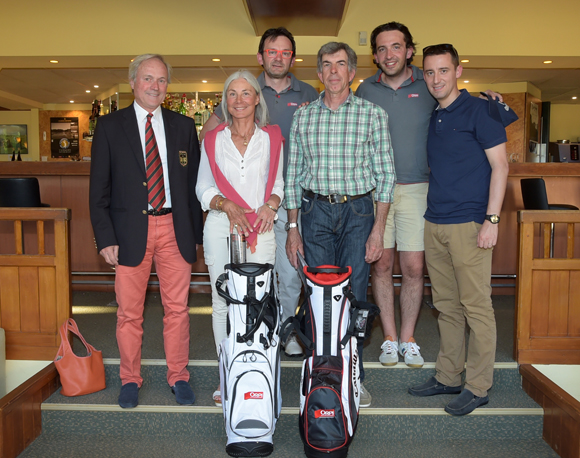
pixel 247 174
pixel 159 131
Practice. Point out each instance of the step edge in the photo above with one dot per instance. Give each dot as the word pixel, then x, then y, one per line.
pixel 285 410
pixel 367 365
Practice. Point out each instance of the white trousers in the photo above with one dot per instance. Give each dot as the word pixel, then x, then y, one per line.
pixel 215 246
pixel 288 285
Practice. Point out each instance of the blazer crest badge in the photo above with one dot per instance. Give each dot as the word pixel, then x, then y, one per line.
pixel 183 158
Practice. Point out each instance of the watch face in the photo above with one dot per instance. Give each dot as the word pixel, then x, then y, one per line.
pixel 494 219
pixel 289 226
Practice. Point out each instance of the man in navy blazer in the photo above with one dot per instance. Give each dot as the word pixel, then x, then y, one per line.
pixel 132 230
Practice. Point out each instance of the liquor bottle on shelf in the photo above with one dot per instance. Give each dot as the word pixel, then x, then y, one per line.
pixel 205 114
pixel 183 105
pixel 198 118
pixel 18 158
pixel 13 155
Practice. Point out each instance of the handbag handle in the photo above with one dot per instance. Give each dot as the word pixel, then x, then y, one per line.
pixel 71 325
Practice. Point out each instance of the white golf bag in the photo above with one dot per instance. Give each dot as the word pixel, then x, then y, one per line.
pixel 328 324
pixel 249 359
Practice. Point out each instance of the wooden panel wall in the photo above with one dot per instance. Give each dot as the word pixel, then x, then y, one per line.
pixel 547 327
pixel 516 135
pixel 35 289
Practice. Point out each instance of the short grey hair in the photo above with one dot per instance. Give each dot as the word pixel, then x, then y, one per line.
pixel 261 115
pixel 332 48
pixel 136 63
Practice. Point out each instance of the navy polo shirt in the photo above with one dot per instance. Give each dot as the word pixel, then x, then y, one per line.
pixel 459 170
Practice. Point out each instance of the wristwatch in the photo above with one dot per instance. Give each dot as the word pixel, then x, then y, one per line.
pixel 289 226
pixel 493 219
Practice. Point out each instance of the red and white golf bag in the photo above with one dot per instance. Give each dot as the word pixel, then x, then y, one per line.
pixel 328 324
pixel 249 359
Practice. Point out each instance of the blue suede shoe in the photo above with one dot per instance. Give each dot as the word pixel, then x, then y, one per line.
pixel 129 396
pixel 465 403
pixel 183 393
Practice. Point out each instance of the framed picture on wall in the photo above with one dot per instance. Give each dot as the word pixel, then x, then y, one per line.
pixel 64 137
pixel 13 139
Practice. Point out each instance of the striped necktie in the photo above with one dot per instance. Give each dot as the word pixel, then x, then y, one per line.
pixel 155 183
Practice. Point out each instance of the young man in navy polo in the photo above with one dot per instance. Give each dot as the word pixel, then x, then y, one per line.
pixel 466 150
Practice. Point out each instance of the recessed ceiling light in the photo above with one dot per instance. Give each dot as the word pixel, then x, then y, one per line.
pixel 464 61
pixel 299 60
pixel 466 81
pixel 360 81
pixel 53 61
pixel 216 60
pixel 72 101
pixel 574 98
pixel 88 91
pixel 132 60
pixel 204 81
pixel 96 86
pixel 547 61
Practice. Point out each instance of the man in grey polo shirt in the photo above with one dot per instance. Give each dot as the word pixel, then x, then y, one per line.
pixel 398 87
pixel 283 94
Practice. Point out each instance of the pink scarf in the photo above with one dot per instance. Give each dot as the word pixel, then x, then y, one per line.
pixel 228 190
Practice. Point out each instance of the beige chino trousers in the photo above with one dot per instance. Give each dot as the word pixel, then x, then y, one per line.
pixel 460 274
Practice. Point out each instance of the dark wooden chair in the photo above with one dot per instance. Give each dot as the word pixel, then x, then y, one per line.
pixel 536 198
pixel 20 192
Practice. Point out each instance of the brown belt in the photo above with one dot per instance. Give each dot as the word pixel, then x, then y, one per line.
pixel 333 198
pixel 163 211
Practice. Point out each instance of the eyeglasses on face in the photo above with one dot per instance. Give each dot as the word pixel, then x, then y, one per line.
pixel 440 49
pixel 275 52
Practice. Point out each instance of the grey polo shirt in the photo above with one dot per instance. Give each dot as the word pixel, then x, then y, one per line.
pixel 281 106
pixel 409 109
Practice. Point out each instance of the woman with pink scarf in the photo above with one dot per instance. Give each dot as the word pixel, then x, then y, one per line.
pixel 240 183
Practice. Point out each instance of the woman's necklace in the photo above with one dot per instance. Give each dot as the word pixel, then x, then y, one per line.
pixel 245 137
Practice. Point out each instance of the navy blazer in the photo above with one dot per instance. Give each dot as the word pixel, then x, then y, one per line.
pixel 118 186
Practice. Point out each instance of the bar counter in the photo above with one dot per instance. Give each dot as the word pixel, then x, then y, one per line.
pixel 66 184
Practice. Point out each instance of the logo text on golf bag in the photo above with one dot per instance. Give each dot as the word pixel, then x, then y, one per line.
pixel 254 395
pixel 324 413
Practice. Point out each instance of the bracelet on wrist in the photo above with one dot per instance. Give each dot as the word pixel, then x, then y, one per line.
pixel 275 210
pixel 219 205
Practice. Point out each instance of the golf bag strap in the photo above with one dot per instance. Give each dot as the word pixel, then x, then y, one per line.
pixel 219 286
pixel 293 324
pixel 255 305
pixel 355 308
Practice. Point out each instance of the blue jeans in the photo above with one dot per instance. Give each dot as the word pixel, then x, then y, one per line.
pixel 336 234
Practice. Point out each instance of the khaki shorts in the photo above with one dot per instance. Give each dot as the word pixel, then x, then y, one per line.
pixel 405 223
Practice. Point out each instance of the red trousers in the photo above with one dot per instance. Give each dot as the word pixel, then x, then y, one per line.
pixel 174 275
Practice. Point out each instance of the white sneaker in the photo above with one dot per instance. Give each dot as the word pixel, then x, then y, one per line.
pixel 292 347
pixel 365 397
pixel 389 355
pixel 410 351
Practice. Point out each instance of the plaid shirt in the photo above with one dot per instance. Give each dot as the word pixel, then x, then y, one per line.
pixel 347 151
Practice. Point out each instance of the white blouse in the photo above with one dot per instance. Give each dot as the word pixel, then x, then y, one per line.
pixel 247 174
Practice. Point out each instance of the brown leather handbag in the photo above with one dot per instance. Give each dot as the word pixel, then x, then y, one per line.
pixel 78 374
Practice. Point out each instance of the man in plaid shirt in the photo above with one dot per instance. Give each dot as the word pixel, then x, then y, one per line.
pixel 340 151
